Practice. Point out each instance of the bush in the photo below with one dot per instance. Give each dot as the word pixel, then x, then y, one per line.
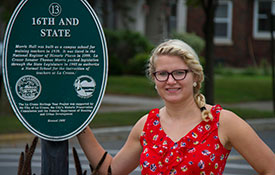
pixel 196 42
pixel 137 65
pixel 251 71
pixel 123 45
pixel 115 66
pixel 265 67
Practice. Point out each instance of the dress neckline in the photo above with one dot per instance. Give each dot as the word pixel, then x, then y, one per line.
pixel 185 137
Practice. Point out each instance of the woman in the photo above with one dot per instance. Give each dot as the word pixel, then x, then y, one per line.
pixel 186 136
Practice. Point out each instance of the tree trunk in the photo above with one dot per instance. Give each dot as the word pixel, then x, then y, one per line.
pixel 209 30
pixel 156 24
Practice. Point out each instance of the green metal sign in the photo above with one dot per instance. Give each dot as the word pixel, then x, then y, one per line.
pixel 55 66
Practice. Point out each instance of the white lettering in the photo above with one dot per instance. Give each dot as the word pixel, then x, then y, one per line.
pixel 55 33
pixel 43 21
pixel 69 22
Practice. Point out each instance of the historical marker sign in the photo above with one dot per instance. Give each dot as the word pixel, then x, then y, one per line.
pixel 55 66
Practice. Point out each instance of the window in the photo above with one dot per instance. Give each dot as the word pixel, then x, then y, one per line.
pixel 223 22
pixel 172 21
pixel 262 8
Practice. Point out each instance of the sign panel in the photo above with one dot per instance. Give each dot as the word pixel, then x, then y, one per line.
pixel 55 66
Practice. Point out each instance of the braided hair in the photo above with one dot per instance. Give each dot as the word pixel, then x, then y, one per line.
pixel 179 48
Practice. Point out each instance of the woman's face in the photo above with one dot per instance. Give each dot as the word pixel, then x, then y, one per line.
pixel 173 91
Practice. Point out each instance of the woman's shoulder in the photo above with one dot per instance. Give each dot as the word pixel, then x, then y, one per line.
pixel 232 124
pixel 139 126
pixel 229 117
pixel 141 122
pixel 226 118
pixel 225 114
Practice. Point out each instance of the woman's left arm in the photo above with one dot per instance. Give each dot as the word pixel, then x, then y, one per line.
pixel 243 138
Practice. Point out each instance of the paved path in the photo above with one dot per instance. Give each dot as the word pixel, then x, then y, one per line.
pixel 115 103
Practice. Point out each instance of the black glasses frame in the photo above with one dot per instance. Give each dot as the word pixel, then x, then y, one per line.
pixel 172 73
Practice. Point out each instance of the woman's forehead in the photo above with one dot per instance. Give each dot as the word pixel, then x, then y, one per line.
pixel 166 61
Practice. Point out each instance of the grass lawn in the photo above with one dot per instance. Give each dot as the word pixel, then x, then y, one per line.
pixel 228 89
pixel 234 89
pixel 10 124
pixel 131 85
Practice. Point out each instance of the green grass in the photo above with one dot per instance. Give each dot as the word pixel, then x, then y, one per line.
pixel 10 124
pixel 228 88
pixel 251 114
pixel 131 85
pixel 117 118
pixel 235 89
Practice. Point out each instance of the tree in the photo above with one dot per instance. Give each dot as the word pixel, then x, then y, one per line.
pixel 114 14
pixel 156 20
pixel 209 7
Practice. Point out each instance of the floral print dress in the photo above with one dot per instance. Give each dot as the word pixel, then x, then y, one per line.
pixel 198 152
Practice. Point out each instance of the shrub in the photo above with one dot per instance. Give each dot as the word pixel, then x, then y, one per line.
pixel 137 65
pixel 123 45
pixel 115 66
pixel 265 67
pixel 196 42
pixel 251 71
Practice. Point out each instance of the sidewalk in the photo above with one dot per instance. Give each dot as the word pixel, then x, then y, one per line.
pixel 116 103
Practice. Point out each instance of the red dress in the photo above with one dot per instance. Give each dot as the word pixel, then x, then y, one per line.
pixel 198 152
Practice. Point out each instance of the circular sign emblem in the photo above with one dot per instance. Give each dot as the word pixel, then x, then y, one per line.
pixel 55 9
pixel 28 88
pixel 84 86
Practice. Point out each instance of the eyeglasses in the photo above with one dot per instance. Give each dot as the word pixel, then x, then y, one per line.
pixel 179 74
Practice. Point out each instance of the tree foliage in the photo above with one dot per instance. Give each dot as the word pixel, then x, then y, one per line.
pixel 7 7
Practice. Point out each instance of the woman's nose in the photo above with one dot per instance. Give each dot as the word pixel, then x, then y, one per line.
pixel 171 79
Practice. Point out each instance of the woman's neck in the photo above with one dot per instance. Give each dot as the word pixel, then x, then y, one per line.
pixel 187 108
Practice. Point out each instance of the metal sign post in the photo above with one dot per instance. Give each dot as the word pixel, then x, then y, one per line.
pixel 55 68
pixel 55 158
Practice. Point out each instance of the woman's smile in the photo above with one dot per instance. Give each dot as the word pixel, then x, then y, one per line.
pixel 173 89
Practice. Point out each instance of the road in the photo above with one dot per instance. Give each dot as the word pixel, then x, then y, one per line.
pixel 112 141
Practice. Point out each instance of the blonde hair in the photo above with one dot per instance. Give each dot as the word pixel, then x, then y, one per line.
pixel 179 48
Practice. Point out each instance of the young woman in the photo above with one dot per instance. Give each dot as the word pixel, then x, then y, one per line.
pixel 185 136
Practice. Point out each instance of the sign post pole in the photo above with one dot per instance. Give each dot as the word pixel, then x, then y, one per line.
pixel 54 157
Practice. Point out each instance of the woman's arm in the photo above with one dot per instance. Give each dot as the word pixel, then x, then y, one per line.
pixel 127 158
pixel 243 138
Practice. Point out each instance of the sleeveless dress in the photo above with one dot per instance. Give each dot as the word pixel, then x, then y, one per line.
pixel 198 152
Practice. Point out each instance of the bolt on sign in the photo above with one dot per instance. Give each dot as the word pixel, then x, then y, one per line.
pixel 55 66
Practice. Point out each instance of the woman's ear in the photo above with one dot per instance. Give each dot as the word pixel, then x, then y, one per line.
pixel 196 78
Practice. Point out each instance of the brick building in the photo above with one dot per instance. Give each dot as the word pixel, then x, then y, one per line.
pixel 242 35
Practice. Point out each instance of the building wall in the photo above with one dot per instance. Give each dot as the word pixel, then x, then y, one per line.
pixel 244 50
